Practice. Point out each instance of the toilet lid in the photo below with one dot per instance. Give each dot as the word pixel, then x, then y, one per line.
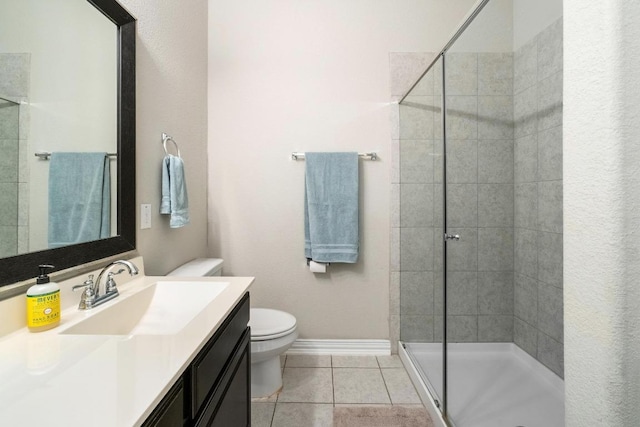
pixel 265 322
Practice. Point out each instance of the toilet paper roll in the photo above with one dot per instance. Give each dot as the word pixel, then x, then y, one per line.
pixel 317 267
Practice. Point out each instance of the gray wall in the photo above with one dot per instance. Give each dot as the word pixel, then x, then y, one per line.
pixel 538 303
pixel 504 198
pixel 14 196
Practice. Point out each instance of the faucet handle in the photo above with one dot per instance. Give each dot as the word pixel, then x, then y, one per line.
pixel 110 286
pixel 88 296
pixel 86 285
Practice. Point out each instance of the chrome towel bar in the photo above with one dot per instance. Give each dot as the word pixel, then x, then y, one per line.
pixel 44 155
pixel 364 156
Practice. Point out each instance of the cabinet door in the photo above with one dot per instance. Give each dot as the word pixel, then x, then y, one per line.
pixel 210 365
pixel 229 405
pixel 170 412
pixel 235 409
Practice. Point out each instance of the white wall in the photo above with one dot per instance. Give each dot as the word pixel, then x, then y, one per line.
pixel 531 17
pixel 602 215
pixel 506 25
pixel 286 76
pixel 171 69
pixel 491 31
pixel 72 100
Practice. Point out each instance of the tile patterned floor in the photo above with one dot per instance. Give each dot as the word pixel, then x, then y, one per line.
pixel 313 385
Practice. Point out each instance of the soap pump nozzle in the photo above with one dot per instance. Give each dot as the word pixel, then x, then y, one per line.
pixel 43 277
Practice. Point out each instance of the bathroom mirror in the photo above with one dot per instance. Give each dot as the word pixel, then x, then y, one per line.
pixel 118 127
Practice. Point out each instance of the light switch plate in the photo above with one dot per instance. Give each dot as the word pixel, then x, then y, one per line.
pixel 145 216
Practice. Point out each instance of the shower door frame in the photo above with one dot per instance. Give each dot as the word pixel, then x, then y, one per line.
pixel 443 109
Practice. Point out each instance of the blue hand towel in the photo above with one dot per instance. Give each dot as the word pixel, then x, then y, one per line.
pixel 79 198
pixel 175 201
pixel 331 207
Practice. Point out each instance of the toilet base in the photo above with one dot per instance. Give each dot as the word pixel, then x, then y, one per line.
pixel 266 377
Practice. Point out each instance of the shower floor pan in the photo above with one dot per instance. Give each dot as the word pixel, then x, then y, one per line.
pixel 490 385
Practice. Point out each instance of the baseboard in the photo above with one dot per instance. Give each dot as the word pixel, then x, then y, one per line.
pixel 341 347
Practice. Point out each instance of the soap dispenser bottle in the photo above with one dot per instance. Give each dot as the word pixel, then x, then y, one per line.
pixel 43 302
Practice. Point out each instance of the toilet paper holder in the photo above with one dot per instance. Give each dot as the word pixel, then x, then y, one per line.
pixel 309 262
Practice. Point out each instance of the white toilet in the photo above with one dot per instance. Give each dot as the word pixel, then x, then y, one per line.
pixel 272 332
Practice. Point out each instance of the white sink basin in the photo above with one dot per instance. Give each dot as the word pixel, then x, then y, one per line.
pixel 163 308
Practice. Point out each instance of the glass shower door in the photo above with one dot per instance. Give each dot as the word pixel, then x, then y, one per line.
pixel 421 229
pixel 479 135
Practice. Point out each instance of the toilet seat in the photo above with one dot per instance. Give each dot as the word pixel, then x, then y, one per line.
pixel 268 324
pixel 272 337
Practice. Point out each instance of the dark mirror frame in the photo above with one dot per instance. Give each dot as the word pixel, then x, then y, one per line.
pixel 22 267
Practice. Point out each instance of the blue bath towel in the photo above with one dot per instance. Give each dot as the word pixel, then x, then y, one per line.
pixel 79 198
pixel 175 201
pixel 331 207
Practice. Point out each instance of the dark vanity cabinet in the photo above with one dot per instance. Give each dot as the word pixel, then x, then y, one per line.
pixel 170 412
pixel 215 390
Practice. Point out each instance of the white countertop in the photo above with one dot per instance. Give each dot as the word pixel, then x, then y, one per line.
pixel 51 379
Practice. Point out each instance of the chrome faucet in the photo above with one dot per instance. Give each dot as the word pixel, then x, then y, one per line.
pixel 91 296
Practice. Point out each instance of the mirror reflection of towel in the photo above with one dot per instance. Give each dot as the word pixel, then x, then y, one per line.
pixel 79 198
pixel 175 201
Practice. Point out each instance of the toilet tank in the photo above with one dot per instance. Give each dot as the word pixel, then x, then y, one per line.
pixel 200 267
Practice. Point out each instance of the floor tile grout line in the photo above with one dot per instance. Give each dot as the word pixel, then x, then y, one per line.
pixel 356 367
pixel 278 393
pixel 275 404
pixel 384 381
pixel 386 387
pixel 333 386
pixel 308 367
pixel 273 414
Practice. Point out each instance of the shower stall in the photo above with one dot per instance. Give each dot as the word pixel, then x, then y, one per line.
pixel 477 230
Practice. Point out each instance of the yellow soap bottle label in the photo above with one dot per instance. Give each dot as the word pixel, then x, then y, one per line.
pixel 43 310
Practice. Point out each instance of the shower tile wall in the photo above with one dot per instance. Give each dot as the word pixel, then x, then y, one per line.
pixel 479 198
pixel 538 303
pixel 14 196
pixel 9 115
pixel 414 189
pixel 405 67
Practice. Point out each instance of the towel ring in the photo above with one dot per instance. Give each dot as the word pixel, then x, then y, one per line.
pixel 166 138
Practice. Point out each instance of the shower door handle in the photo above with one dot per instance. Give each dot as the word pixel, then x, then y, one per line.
pixel 448 236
